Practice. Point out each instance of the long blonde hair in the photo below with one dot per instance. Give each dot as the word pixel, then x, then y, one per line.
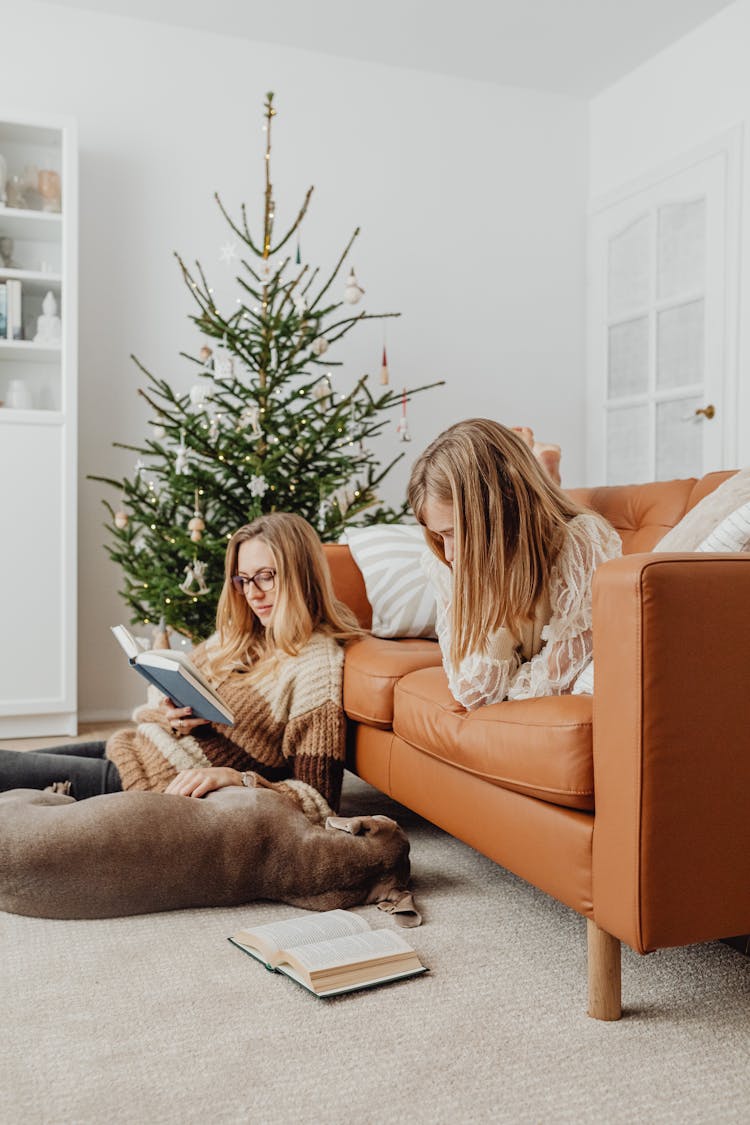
pixel 509 521
pixel 305 600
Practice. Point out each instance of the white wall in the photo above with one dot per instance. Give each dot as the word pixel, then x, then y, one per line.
pixel 682 99
pixel 471 199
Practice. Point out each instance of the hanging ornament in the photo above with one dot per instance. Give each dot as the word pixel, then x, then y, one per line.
pixel 223 363
pixel 182 456
pixel 194 573
pixel 250 417
pixel 196 526
pixel 159 433
pixel 319 346
pixel 205 355
pixel 353 291
pixel 228 252
pixel 199 394
pixel 384 373
pixel 121 519
pixel 298 256
pixel 258 486
pixel 402 428
pixel 300 304
pixel 321 392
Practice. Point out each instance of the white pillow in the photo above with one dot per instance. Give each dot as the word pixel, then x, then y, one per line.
pixel 403 603
pixel 732 534
pixel 707 514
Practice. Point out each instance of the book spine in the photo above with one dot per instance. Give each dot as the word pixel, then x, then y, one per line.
pixel 3 310
pixel 14 310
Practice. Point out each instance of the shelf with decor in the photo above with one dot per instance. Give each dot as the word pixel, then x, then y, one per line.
pixel 38 408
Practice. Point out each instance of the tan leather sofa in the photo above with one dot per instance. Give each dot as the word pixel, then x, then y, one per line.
pixel 632 808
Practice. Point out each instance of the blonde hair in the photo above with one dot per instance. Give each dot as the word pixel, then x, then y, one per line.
pixel 305 600
pixel 509 521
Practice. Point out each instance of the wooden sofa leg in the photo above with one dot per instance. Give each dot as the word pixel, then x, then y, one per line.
pixel 605 983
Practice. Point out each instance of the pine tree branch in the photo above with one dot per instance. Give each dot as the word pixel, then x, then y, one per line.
pixel 336 269
pixel 296 224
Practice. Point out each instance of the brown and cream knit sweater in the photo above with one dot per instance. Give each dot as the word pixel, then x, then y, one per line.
pixel 289 723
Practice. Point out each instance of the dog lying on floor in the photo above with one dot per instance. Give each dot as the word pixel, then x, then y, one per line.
pixel 137 853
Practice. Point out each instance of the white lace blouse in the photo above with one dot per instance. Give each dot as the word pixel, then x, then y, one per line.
pixel 503 670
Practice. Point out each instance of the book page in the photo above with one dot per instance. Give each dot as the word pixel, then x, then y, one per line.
pixel 126 640
pixel 294 932
pixel 350 950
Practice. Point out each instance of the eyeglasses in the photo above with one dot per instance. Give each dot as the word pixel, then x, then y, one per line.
pixel 263 580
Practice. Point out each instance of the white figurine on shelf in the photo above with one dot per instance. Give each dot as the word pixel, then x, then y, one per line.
pixel 48 325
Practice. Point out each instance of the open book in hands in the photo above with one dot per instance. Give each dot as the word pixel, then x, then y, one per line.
pixel 174 674
pixel 330 952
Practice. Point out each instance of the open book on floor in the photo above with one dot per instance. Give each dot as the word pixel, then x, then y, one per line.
pixel 173 673
pixel 330 952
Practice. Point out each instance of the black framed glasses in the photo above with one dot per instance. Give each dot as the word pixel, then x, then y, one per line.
pixel 263 580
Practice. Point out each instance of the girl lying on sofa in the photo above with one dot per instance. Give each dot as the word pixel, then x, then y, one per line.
pixel 512 561
pixel 277 661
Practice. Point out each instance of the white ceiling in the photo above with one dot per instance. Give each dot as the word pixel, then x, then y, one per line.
pixel 575 47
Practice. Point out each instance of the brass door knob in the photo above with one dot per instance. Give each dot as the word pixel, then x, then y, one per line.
pixel 707 411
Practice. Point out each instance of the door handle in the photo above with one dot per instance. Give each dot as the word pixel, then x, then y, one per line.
pixel 707 411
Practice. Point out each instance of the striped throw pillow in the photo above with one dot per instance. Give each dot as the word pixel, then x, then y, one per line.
pixel 732 534
pixel 388 555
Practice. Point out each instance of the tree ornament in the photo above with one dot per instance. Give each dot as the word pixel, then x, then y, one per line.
pixel 196 526
pixel 298 256
pixel 182 457
pixel 353 291
pixel 300 304
pixel 223 363
pixel 319 346
pixel 159 433
pixel 228 252
pixel 121 519
pixel 321 392
pixel 258 485
pixel 250 417
pixel 384 373
pixel 402 428
pixel 199 394
pixel 195 572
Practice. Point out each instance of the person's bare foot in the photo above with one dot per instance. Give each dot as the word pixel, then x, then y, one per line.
pixel 547 455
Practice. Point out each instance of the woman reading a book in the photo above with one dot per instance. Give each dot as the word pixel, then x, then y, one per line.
pixel 512 559
pixel 276 660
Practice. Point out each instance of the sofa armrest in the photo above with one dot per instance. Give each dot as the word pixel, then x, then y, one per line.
pixel 348 583
pixel 671 845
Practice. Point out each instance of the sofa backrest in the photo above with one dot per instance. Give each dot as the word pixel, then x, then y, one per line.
pixel 644 513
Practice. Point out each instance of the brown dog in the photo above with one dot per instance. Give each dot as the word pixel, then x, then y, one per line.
pixel 135 853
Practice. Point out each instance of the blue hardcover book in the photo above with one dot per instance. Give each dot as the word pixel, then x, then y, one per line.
pixel 174 675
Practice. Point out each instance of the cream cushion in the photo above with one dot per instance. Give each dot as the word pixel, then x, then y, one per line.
pixel 732 534
pixel 700 521
pixel 388 555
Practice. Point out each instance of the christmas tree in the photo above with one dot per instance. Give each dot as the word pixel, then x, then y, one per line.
pixel 260 430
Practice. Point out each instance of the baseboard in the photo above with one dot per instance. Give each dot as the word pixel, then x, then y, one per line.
pixel 105 716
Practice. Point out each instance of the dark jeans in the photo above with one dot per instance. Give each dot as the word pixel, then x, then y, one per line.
pixel 81 763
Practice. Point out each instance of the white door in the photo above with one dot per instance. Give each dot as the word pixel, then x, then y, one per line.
pixel 662 291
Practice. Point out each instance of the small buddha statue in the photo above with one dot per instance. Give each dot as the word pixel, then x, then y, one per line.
pixel 48 325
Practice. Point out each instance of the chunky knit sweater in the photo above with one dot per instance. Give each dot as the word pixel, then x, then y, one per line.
pixel 289 723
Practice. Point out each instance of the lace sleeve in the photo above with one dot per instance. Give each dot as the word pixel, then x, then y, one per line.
pixel 567 637
pixel 480 678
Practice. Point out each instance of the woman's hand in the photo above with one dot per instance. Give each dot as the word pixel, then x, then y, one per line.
pixel 180 719
pixel 198 782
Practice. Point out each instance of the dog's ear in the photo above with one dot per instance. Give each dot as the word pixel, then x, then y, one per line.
pixel 401 904
pixel 351 824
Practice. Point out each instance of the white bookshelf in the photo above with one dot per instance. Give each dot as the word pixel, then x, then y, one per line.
pixel 38 441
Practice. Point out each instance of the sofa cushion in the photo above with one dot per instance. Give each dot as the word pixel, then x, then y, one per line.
pixel 640 513
pixel 540 747
pixel 372 668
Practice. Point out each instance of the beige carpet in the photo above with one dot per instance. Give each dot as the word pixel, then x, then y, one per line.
pixel 158 1019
